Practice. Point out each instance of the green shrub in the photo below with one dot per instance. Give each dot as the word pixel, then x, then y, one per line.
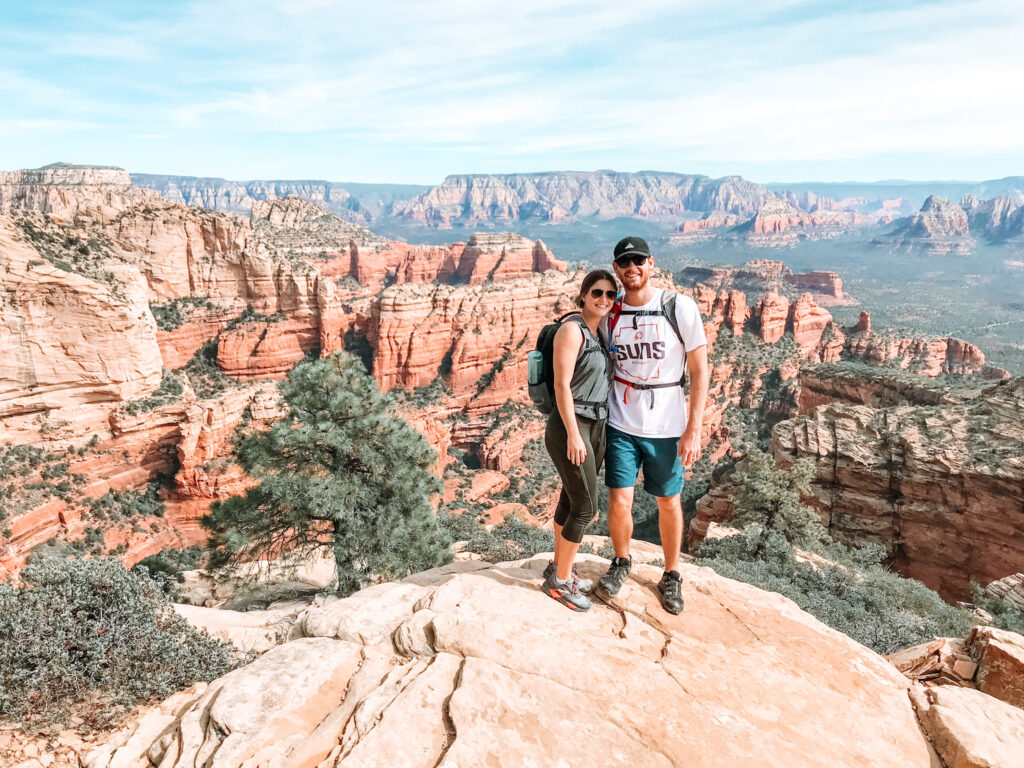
pixel 169 316
pixel 250 315
pixel 1005 615
pixel 117 506
pixel 512 539
pixel 853 594
pixel 169 390
pixel 90 638
pixel 167 567
pixel 206 378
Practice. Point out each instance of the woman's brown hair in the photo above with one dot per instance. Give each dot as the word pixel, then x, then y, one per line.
pixel 595 276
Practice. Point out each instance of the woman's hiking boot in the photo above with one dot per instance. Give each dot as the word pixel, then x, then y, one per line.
pixel 668 591
pixel 585 585
pixel 566 592
pixel 610 584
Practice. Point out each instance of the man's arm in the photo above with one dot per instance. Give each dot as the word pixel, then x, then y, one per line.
pixel 697 372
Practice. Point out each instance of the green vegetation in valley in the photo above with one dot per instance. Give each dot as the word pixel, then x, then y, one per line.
pixel 167 567
pixel 206 378
pixel 512 539
pixel 89 638
pixel 171 315
pixel 170 389
pixel 848 589
pixel 250 315
pixel 30 476
pixel 338 474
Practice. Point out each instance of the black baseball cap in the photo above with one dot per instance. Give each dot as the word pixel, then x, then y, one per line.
pixel 629 246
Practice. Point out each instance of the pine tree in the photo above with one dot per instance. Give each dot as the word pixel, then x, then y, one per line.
pixel 337 473
pixel 769 497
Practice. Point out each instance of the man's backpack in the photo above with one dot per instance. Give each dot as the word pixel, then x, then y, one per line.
pixel 541 367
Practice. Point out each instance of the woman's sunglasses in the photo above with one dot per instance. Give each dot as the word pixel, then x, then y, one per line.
pixel 596 293
pixel 636 259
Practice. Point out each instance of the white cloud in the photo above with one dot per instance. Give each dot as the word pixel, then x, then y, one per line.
pixel 722 82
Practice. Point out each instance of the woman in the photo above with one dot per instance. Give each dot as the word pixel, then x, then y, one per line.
pixel 575 432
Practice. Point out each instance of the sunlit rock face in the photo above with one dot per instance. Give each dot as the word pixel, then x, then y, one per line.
pixel 473 664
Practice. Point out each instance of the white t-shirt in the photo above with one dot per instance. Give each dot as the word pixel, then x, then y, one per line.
pixel 648 352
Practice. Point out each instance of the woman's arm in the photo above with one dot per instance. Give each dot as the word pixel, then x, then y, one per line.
pixel 567 345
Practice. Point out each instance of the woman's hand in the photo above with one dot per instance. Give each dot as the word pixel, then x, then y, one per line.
pixel 577 452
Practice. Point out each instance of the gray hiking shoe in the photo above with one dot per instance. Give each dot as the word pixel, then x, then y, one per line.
pixel 668 591
pixel 566 592
pixel 585 585
pixel 610 584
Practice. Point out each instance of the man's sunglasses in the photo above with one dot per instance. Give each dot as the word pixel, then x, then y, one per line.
pixel 596 293
pixel 636 259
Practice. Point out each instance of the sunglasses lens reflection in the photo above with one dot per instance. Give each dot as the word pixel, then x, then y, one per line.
pixel 635 260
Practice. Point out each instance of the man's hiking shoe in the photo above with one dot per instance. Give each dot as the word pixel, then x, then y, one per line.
pixel 585 585
pixel 610 584
pixel 566 592
pixel 668 591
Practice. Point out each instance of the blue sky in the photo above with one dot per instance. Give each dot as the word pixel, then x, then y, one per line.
pixel 388 91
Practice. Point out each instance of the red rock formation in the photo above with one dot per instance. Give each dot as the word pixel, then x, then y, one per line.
pixel 64 190
pixel 772 312
pixel 178 346
pixel 878 389
pixel 816 335
pixel 261 350
pixel 927 356
pixel 71 348
pixel 823 283
pixel 863 324
pixel 419 331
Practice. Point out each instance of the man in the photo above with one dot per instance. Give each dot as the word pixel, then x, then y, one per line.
pixel 650 425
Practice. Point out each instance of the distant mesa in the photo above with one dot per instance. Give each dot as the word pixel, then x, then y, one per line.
pixel 468 199
pixel 939 228
pixel 943 227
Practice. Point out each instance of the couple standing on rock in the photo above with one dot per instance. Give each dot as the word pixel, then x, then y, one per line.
pixel 619 370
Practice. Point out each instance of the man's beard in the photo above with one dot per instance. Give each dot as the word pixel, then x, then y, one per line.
pixel 637 282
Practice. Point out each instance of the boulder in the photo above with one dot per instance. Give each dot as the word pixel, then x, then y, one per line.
pixel 970 729
pixel 1000 656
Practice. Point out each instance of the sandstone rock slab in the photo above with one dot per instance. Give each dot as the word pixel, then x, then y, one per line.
pixel 473 665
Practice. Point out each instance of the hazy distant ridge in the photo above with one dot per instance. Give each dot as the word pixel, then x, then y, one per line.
pixel 356 202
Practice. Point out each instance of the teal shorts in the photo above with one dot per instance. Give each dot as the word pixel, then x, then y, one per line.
pixel 659 456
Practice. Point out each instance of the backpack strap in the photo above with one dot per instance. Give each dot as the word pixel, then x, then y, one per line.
pixel 668 309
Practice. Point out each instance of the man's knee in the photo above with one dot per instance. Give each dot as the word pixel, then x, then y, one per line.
pixel 669 505
pixel 620 501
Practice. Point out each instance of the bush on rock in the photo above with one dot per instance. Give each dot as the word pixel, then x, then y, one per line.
pixel 92 639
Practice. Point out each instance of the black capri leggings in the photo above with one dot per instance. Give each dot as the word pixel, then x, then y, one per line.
pixel 577 502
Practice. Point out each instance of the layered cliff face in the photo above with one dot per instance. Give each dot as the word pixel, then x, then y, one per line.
pixel 62 190
pixel 463 333
pixel 360 203
pixel 472 665
pixel 927 355
pixel 999 220
pixel 781 221
pixel 604 194
pixel 939 228
pixel 71 347
pixel 760 275
pixel 938 485
pixel 83 354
